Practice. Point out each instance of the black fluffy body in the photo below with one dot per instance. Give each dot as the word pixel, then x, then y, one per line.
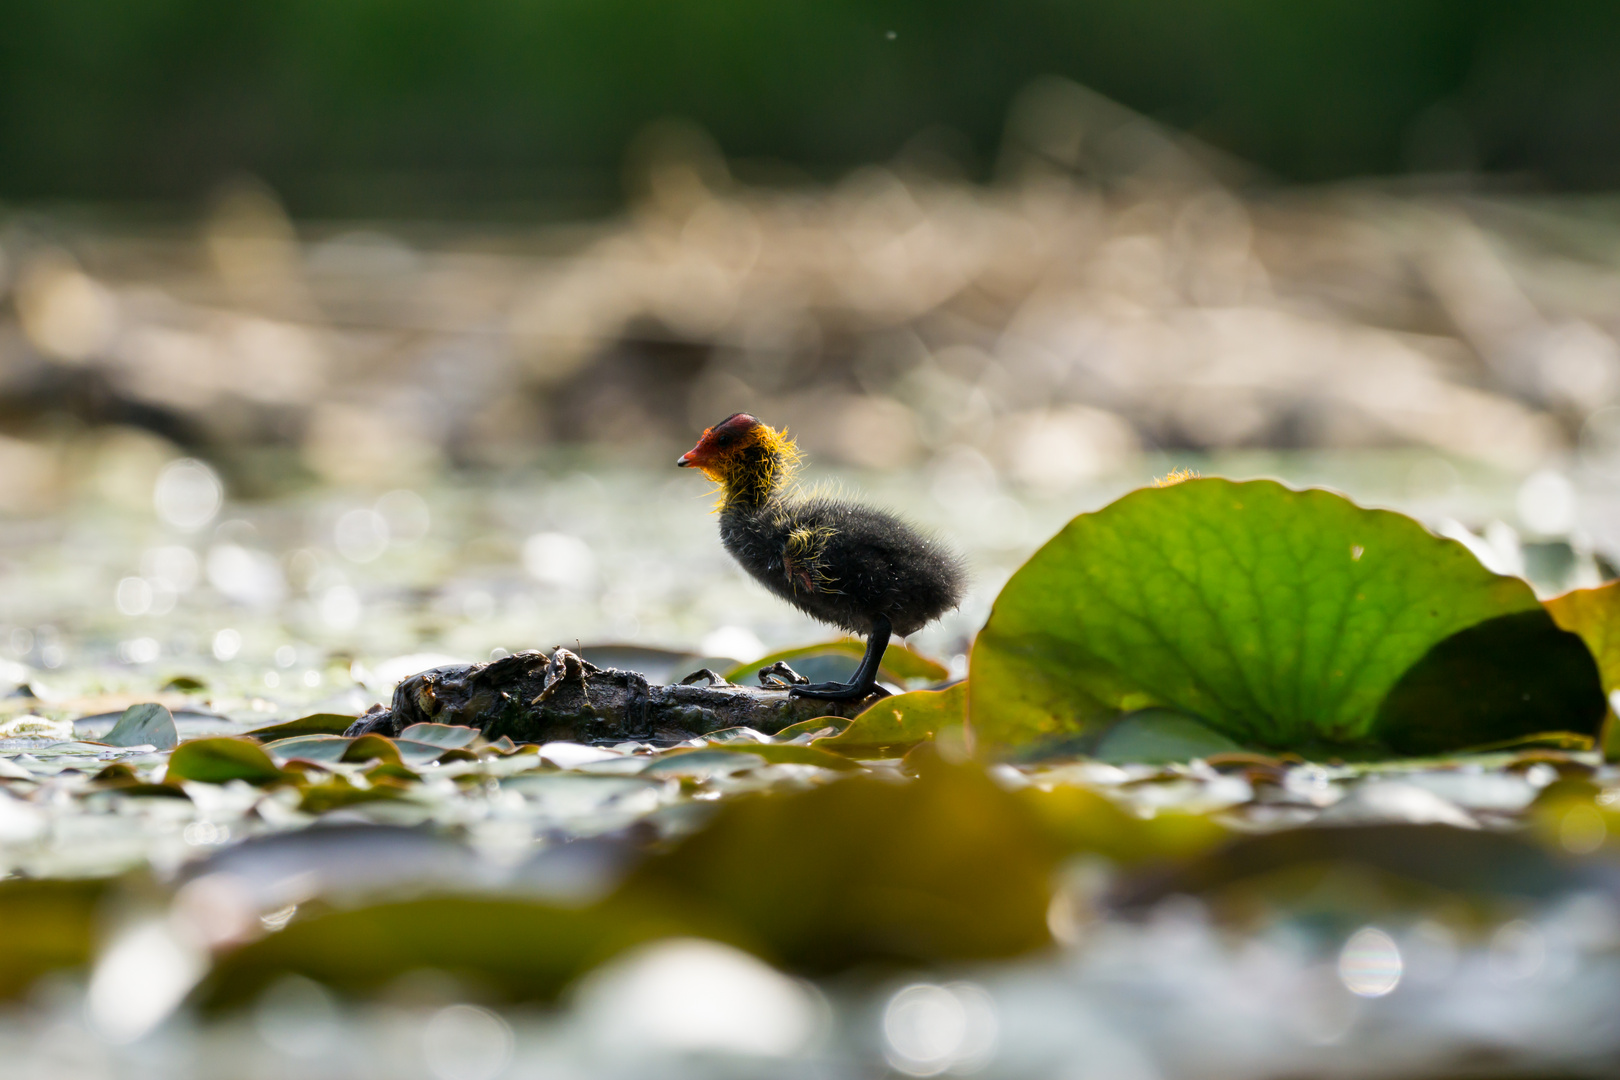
pixel 863 562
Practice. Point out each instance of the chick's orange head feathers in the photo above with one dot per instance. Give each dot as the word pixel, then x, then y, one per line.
pixel 748 459
pixel 736 432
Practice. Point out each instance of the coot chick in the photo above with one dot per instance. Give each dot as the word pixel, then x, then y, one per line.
pixel 837 561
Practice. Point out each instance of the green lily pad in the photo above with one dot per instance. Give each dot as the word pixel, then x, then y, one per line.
pixel 147 724
pixel 313 724
pixel 1279 618
pixel 899 662
pixel 895 724
pixel 220 760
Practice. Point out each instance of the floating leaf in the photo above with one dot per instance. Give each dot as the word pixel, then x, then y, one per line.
pixel 899 662
pixel 185 684
pixel 1594 614
pixel 148 724
pixel 374 748
pixel 390 771
pixel 319 748
pixel 895 724
pixel 1344 876
pixel 814 726
pixel 220 760
pixel 702 764
pixel 45 926
pixel 121 778
pixel 445 736
pixel 336 792
pixel 947 868
pixel 313 724
pixel 515 949
pixel 412 752
pixel 1081 821
pixel 1280 618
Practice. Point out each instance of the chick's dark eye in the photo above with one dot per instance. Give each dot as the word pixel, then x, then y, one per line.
pixel 724 440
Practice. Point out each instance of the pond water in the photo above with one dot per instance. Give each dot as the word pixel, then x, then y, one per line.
pixel 255 470
pixel 242 614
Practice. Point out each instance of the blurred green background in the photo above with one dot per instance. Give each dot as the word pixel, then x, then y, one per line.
pixel 402 106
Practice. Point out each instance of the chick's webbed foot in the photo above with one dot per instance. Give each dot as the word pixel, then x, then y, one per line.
pixel 833 691
pixel 865 680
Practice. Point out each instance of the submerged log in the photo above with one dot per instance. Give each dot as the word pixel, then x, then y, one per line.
pixel 536 697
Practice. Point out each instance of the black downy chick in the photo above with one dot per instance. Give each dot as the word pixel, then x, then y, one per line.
pixel 842 563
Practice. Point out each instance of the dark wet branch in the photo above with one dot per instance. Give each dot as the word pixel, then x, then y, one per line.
pixel 533 697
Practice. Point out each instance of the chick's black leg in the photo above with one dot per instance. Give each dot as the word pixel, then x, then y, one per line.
pixel 865 680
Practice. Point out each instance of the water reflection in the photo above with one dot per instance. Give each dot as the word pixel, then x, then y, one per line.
pixel 1370 963
pixel 931 1029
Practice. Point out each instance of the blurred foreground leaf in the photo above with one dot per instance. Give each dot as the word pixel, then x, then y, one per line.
pixel 1080 821
pixel 148 724
pixel 336 792
pixel 510 948
pixel 780 754
pixel 220 760
pixel 45 926
pixel 896 724
pixel 1283 619
pixel 1345 876
pixel 949 867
